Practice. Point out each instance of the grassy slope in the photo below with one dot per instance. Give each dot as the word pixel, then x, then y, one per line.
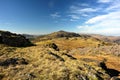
pixel 73 43
pixel 47 64
pixel 90 48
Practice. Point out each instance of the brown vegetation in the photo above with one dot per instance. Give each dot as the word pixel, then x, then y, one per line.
pixel 64 58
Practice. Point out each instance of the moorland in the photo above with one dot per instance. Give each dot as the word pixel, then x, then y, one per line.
pixel 59 56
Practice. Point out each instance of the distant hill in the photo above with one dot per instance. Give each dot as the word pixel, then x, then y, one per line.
pixel 65 34
pixel 28 36
pixel 115 39
pixel 61 34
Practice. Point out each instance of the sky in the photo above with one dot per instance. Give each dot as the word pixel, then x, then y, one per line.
pixel 46 16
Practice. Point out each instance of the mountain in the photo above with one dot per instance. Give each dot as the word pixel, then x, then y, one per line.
pixel 60 34
pixel 115 39
pixel 63 34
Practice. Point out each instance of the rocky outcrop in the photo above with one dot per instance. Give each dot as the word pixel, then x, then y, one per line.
pixel 15 40
pixel 52 45
pixel 13 61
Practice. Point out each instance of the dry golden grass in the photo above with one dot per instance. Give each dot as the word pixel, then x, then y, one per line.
pixel 112 62
pixel 45 63
pixel 43 66
pixel 72 43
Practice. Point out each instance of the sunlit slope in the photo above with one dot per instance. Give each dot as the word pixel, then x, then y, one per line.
pixel 39 63
pixel 61 58
pixel 68 40
pixel 42 62
pixel 75 42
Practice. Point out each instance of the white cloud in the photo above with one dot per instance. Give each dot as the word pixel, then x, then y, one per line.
pixel 84 15
pixel 83 27
pixel 81 10
pixel 73 20
pixel 96 19
pixel 108 24
pixel 74 16
pixel 87 10
pixel 55 15
pixel 73 7
pixel 105 17
pixel 104 1
pixel 115 5
pixel 78 10
pixel 82 4
pixel 101 18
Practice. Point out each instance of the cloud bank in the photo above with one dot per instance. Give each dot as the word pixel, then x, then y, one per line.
pixel 107 24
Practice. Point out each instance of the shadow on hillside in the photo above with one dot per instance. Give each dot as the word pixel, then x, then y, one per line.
pixel 13 61
pixel 113 72
pixel 71 57
pixel 110 72
pixel 57 56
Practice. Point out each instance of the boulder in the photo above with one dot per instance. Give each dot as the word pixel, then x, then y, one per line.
pixel 52 45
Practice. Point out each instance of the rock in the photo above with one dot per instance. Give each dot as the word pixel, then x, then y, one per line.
pixel 103 65
pixel 57 56
pixel 52 45
pixel 15 40
pixel 13 61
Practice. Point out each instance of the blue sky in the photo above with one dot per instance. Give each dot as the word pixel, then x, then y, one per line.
pixel 45 16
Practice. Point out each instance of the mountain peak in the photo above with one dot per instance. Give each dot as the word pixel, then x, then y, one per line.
pixel 62 33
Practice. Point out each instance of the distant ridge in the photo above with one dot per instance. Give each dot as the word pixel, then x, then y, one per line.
pixel 62 33
pixel 115 39
pixel 65 34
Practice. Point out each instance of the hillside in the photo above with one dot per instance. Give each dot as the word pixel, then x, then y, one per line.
pixel 60 34
pixel 66 57
pixel 115 39
pixel 12 39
